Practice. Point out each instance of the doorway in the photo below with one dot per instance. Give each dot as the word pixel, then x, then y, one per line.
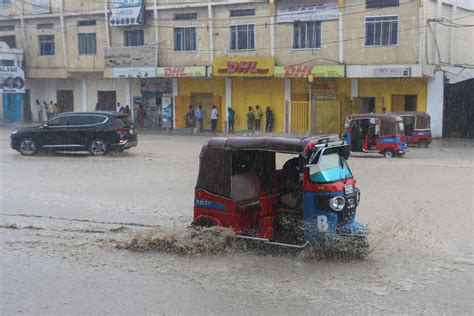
pixel 403 103
pixel 367 105
pixel 107 100
pixel 65 101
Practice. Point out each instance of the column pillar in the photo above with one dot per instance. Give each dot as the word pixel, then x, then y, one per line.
pixel 84 95
pixel 287 113
pixel 228 100
pixel 175 87
pixel 435 103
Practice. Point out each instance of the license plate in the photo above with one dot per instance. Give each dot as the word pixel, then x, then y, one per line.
pixel 349 189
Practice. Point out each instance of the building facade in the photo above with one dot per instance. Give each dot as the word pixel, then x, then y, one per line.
pixel 311 62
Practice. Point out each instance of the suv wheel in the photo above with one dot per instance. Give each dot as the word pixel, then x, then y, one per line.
pixel 98 147
pixel 28 147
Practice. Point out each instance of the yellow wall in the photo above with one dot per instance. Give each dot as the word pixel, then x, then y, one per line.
pixel 385 88
pixel 264 92
pixel 216 86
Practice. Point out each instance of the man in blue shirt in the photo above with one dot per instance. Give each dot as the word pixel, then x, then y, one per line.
pixel 231 119
pixel 198 118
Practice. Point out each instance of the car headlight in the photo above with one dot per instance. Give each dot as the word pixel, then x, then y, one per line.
pixel 358 197
pixel 337 203
pixel 15 131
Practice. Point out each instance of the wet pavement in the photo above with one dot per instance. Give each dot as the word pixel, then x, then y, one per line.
pixel 65 217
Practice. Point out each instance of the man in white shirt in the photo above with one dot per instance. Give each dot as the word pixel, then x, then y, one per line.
pixel 117 107
pixel 214 116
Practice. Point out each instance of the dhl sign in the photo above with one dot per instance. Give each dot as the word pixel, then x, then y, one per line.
pixel 243 66
pixel 169 72
pixel 337 71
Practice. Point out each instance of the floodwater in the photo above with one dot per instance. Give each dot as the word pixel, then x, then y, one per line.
pixel 81 234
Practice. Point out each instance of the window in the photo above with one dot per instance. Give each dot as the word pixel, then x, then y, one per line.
pixel 7 63
pixel 307 35
pixel 86 119
pixel 381 31
pixel 87 23
pixel 185 39
pixel 7 28
pixel 87 43
pixel 133 38
pixel 377 4
pixel 46 45
pixel 185 16
pixel 242 37
pixel 244 12
pixel 58 121
pixel 10 40
pixel 45 26
pixel 5 1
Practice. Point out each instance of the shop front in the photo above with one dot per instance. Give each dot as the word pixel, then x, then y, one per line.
pixel 395 88
pixel 251 82
pixel 318 98
pixel 156 100
pixel 12 91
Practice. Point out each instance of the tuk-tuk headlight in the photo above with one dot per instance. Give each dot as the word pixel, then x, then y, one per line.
pixel 358 197
pixel 337 203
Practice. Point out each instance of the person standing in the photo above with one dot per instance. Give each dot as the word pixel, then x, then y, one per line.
pixel 231 118
pixel 39 109
pixel 214 116
pixel 197 119
pixel 117 107
pixel 268 120
pixel 141 116
pixel 51 110
pixel 189 117
pixel 46 109
pixel 97 107
pixel 250 119
pixel 258 118
pixel 127 111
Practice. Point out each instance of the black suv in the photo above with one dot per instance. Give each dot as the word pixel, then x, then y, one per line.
pixel 97 132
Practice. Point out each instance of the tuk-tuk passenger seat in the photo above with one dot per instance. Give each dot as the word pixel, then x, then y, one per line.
pixel 246 189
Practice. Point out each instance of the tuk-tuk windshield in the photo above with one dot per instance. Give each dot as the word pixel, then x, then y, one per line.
pixel 331 167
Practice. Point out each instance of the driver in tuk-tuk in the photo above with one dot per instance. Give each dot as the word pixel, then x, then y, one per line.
pixel 291 190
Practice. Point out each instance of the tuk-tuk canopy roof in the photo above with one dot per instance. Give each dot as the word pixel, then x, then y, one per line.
pixel 294 145
pixel 423 120
pixel 389 117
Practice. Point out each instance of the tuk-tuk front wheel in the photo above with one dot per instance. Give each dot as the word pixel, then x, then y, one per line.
pixel 423 143
pixel 388 153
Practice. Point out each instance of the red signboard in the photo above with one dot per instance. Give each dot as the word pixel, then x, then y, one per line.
pixel 243 67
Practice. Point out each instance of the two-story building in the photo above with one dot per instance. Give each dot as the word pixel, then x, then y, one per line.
pixel 311 62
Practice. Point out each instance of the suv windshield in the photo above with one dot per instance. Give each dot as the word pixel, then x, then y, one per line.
pixel 331 167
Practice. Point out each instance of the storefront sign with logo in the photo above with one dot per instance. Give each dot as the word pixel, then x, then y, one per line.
pixel 40 6
pixel 157 85
pixel 243 66
pixel 126 12
pixel 392 72
pixel 134 72
pixel 12 79
pixel 304 71
pixel 324 86
pixel 307 11
pixel 198 71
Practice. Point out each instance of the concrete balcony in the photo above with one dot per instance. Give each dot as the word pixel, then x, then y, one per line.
pixel 136 56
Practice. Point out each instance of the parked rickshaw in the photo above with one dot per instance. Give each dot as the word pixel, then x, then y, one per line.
pixel 376 133
pixel 311 200
pixel 417 127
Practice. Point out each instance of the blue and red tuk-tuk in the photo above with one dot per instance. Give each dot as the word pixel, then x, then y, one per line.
pixel 311 200
pixel 376 133
pixel 417 127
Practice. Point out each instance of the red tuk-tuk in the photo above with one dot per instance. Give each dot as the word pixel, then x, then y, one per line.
pixel 312 199
pixel 376 133
pixel 417 127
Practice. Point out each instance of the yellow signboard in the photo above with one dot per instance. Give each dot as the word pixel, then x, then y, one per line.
pixel 243 66
pixel 337 71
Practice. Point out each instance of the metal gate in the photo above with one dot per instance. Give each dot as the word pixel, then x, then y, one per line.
pixel 300 117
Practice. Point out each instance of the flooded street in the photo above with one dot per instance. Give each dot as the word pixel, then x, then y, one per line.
pixel 65 219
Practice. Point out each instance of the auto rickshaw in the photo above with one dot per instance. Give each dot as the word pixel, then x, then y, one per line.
pixel 376 133
pixel 417 127
pixel 311 200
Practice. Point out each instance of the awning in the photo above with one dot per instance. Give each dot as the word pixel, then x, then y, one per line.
pixel 290 11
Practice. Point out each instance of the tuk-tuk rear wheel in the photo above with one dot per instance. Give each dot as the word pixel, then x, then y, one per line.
pixel 423 143
pixel 388 153
pixel 204 223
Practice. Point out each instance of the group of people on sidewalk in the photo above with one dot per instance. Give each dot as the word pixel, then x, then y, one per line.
pixel 194 119
pixel 50 109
